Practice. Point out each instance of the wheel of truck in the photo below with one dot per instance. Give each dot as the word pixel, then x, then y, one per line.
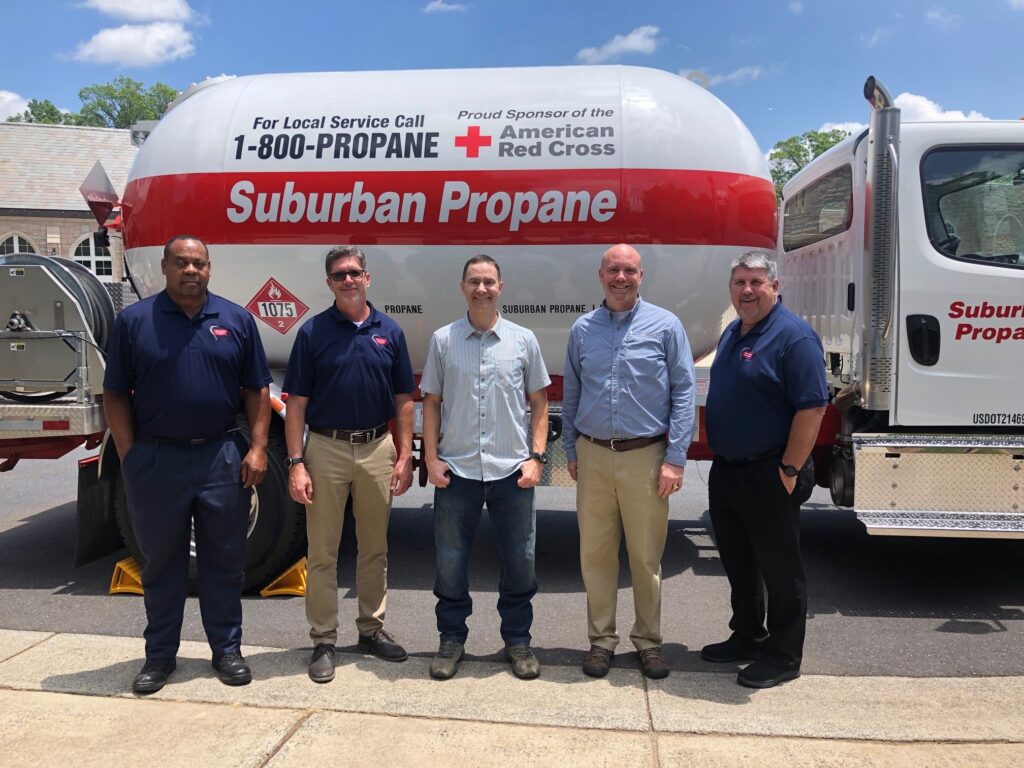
pixel 277 525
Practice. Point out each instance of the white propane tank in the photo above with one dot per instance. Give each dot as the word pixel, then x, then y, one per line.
pixel 541 168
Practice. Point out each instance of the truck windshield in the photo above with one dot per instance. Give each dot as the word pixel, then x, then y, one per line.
pixel 974 203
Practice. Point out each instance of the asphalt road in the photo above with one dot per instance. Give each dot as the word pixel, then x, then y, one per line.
pixel 878 605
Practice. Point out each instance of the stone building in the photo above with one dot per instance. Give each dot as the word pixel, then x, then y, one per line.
pixel 41 209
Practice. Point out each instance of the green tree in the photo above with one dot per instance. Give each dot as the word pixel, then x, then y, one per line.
pixel 790 155
pixel 117 104
pixel 123 102
pixel 43 111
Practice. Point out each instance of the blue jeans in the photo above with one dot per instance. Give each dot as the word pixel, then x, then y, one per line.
pixel 457 510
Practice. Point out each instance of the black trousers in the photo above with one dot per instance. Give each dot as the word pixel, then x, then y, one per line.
pixel 757 529
pixel 170 488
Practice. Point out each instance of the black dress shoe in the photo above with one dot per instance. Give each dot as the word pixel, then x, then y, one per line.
pixel 153 675
pixel 736 648
pixel 383 645
pixel 764 674
pixel 232 669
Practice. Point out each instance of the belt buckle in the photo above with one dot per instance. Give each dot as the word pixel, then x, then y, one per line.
pixel 611 444
pixel 360 438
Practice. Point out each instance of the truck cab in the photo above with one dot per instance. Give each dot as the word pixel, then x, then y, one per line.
pixel 903 246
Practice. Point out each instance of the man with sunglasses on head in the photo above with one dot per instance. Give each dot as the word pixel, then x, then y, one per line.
pixel 348 375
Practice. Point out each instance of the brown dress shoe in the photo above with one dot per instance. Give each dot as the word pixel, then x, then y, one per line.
pixel 598 661
pixel 653 663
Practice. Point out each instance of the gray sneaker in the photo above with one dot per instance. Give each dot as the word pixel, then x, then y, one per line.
pixel 525 665
pixel 445 663
pixel 321 665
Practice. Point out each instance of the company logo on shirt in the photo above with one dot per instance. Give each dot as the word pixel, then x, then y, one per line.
pixel 747 354
pixel 381 341
pixel 217 332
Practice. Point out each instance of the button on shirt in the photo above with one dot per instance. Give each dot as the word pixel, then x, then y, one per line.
pixel 349 373
pixel 629 374
pixel 759 381
pixel 482 379
pixel 186 373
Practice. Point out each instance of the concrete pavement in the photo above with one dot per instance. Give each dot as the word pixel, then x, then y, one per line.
pixel 65 700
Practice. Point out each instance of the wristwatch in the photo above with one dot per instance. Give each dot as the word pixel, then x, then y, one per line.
pixel 291 461
pixel 539 457
pixel 789 470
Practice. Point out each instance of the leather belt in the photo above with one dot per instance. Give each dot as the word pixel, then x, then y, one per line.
pixel 182 442
pixel 619 444
pixel 353 436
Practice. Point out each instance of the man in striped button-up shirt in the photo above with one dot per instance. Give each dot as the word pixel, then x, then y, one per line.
pixel 477 452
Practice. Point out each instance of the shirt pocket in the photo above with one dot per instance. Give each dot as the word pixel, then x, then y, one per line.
pixel 645 355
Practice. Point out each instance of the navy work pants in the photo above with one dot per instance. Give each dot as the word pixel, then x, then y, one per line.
pixel 169 488
pixel 757 530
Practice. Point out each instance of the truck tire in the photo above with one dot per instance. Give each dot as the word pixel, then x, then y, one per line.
pixel 277 525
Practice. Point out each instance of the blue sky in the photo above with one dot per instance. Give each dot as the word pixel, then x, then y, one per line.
pixel 784 66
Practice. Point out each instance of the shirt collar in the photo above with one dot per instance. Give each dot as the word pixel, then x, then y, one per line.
pixel 166 304
pixel 761 325
pixel 371 319
pixel 630 313
pixel 468 330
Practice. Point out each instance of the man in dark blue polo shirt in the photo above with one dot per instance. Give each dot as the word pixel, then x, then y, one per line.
pixel 764 407
pixel 349 374
pixel 180 365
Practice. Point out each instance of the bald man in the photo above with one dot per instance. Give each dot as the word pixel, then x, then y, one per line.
pixel 628 417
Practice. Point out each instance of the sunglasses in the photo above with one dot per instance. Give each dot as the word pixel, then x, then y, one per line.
pixel 340 275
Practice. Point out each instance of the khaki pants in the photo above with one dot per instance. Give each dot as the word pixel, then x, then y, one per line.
pixel 617 492
pixel 336 469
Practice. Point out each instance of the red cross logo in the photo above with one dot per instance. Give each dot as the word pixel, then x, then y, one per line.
pixel 472 141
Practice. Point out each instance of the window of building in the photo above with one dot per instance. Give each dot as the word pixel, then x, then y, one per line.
pixel 95 258
pixel 819 211
pixel 974 203
pixel 16 243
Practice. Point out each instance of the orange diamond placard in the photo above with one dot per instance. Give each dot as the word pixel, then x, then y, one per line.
pixel 276 306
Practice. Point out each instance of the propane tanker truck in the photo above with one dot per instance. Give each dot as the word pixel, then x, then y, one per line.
pixel 543 169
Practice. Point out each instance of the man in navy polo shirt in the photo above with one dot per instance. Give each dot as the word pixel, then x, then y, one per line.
pixel 764 407
pixel 348 375
pixel 179 367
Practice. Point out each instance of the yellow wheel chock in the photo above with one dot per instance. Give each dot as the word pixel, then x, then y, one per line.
pixel 127 577
pixel 291 582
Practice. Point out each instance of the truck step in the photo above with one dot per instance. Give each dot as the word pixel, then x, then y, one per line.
pixel 940 485
pixel 928 523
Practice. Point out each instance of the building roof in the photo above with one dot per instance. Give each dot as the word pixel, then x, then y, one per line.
pixel 42 166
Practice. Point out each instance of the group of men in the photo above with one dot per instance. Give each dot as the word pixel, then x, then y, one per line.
pixel 182 364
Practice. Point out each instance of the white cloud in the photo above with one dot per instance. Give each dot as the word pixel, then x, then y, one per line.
pixel 914 107
pixel 435 6
pixel 796 8
pixel 11 104
pixel 137 45
pixel 150 10
pixel 640 40
pixel 942 18
pixel 877 37
pixel 739 76
pixel 1017 5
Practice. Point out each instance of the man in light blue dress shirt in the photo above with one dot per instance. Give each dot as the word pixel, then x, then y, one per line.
pixel 475 440
pixel 628 418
